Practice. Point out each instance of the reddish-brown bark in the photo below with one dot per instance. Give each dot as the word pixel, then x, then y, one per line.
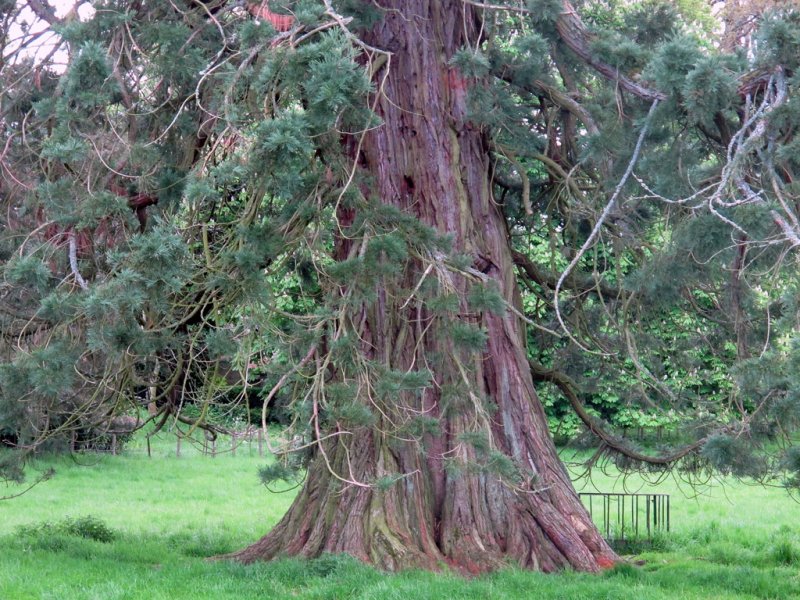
pixel 278 21
pixel 428 160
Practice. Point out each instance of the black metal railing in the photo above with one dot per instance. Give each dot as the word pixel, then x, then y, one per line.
pixel 622 517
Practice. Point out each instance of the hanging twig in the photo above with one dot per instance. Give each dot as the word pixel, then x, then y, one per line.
pixel 596 231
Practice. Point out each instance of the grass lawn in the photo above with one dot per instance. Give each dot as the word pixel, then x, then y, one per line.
pixel 168 514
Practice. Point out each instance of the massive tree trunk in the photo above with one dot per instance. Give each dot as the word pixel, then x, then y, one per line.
pixel 429 161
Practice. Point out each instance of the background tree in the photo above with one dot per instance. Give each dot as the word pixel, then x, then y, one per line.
pixel 338 193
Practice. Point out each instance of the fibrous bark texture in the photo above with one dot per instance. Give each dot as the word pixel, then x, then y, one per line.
pixel 430 161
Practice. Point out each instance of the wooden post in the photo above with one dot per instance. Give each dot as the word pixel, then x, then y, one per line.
pixel 260 442
pixel 113 444
pixel 147 437
pixel 73 443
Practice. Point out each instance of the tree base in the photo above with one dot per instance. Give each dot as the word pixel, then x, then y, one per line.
pixel 481 525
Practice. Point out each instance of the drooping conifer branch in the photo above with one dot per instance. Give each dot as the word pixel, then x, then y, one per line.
pixel 568 387
pixel 574 34
pixel 549 280
pixel 572 30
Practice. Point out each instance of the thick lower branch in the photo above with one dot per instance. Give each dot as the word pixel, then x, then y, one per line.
pixel 573 32
pixel 548 279
pixel 567 387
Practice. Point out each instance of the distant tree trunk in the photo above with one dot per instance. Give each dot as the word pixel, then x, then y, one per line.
pixel 429 161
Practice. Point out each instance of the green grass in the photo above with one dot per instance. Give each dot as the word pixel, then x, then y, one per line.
pixel 168 514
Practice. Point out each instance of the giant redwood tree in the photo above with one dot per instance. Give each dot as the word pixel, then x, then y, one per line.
pixel 344 197
pixel 484 484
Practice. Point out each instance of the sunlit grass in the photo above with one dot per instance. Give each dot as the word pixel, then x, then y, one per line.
pixel 170 514
pixel 162 495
